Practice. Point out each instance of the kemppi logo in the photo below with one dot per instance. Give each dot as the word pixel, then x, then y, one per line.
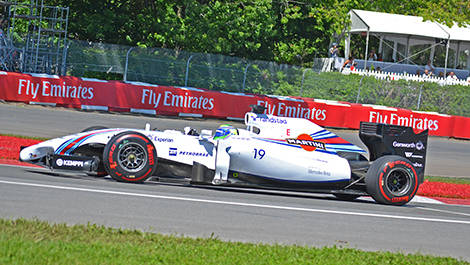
pixel 70 163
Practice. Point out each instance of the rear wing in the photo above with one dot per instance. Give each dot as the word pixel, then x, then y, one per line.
pixel 385 139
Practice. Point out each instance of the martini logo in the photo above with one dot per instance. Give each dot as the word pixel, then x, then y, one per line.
pixel 306 142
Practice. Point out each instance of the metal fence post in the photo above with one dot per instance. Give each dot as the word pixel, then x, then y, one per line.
pixel 359 89
pixel 419 96
pixel 244 76
pixel 63 70
pixel 187 71
pixel 127 63
pixel 302 82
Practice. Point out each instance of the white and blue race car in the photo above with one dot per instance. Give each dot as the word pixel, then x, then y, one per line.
pixel 271 152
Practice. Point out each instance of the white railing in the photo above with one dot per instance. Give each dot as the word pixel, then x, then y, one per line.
pixel 408 77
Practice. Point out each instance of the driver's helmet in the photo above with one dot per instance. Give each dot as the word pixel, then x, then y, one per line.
pixel 225 131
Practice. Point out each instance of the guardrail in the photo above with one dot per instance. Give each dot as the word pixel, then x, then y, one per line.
pixel 95 94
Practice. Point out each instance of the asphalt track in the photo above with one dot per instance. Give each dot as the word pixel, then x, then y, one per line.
pixel 247 216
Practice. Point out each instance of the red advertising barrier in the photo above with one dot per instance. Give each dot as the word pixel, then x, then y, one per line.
pixel 153 99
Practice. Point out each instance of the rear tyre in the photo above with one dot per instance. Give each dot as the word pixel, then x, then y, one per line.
pixel 392 180
pixel 130 157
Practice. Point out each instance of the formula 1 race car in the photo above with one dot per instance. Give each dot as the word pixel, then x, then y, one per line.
pixel 272 152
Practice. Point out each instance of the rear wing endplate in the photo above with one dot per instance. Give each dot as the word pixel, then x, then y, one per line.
pixel 385 139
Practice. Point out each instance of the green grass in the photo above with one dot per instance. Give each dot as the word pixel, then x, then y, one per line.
pixel 454 180
pixel 36 242
pixel 25 137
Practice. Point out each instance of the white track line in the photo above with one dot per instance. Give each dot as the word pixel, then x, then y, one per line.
pixel 300 209
pixel 443 211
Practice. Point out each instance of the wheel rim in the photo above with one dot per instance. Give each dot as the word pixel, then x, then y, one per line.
pixel 398 181
pixel 132 157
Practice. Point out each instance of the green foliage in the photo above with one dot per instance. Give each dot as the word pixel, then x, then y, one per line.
pixel 292 32
pixel 36 242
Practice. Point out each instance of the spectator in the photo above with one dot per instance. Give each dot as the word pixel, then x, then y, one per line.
pixel 429 67
pixel 451 76
pixel 379 57
pixel 441 74
pixel 332 55
pixel 372 56
pixel 333 52
pixel 349 63
pixel 427 73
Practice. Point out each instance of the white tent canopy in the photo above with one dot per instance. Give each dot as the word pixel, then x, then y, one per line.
pixel 407 30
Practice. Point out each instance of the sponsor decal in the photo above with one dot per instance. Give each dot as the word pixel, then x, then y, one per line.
pixel 418 146
pixel 306 142
pixel 159 139
pixel 400 199
pixel 316 171
pixel 53 89
pixel 184 153
pixel 276 120
pixel 410 154
pixel 173 151
pixel 70 163
pixel 409 121
pixel 416 164
pixel 170 99
pixel 321 160
pixel 150 153
pixel 403 145
pixel 284 110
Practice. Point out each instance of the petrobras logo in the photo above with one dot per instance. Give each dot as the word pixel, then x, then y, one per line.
pixel 70 163
pixel 184 153
pixel 173 151
pixel 306 142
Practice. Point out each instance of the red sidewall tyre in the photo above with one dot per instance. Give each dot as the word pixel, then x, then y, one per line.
pixel 130 157
pixel 392 180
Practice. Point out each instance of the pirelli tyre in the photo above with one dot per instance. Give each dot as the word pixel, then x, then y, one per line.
pixel 392 180
pixel 130 157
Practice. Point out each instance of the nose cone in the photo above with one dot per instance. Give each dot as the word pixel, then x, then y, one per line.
pixel 33 153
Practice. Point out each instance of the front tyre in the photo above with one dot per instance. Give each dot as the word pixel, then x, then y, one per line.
pixel 392 180
pixel 130 157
